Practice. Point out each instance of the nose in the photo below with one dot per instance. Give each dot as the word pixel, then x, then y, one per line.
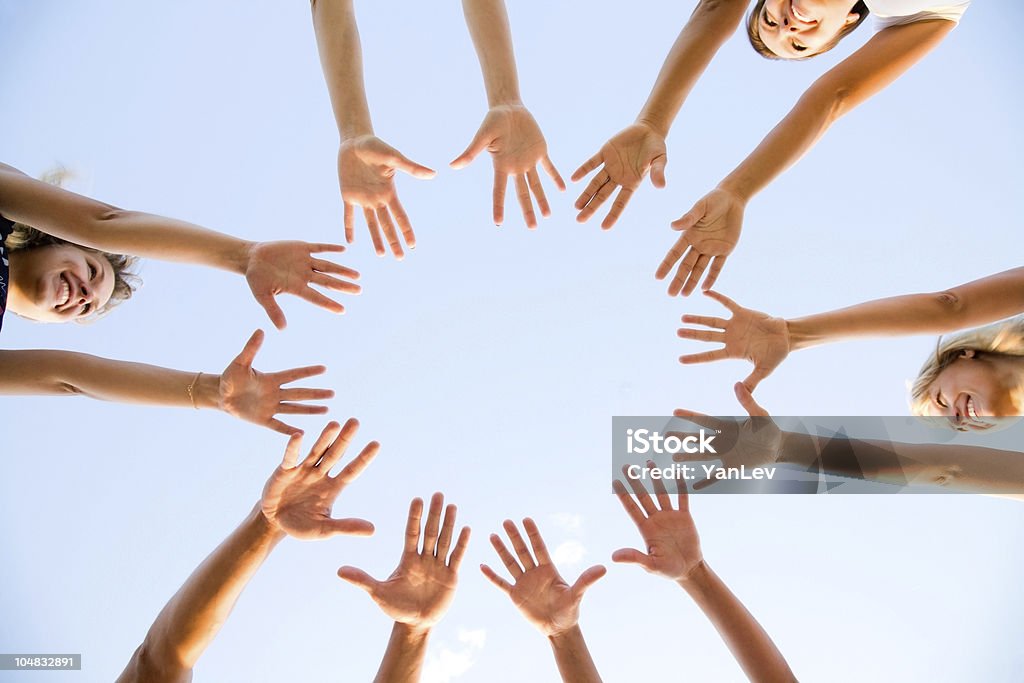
pixel 85 294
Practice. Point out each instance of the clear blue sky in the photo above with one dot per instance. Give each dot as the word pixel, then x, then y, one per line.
pixel 490 361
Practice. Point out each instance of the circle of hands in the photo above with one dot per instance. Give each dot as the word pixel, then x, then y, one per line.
pixel 422 586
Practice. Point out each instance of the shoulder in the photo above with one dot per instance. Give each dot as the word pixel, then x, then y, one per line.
pixel 890 13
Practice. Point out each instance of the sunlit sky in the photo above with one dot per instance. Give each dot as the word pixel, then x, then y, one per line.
pixel 490 361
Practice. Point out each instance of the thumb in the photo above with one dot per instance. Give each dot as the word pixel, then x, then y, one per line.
pixel 358 577
pixel 248 353
pixel 587 579
pixel 478 145
pixel 752 380
pixel 348 526
pixel 274 312
pixel 630 556
pixel 690 218
pixel 403 163
pixel 658 171
pixel 746 400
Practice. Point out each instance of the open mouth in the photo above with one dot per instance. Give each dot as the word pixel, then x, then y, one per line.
pixel 972 411
pixel 64 293
pixel 800 15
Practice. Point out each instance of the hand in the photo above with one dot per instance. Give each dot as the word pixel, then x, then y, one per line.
pixel 366 170
pixel 673 546
pixel 539 591
pixel 298 497
pixel 755 336
pixel 627 158
pixel 755 442
pixel 257 397
pixel 711 230
pixel 274 268
pixel 420 590
pixel 512 136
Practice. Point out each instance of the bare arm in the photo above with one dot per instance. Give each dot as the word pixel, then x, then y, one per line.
pixel 341 58
pixel 711 229
pixel 492 37
pixel 239 390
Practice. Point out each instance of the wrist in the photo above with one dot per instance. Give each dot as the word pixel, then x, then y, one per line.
pixel 237 260
pixel 654 122
pixel 563 636
pixel 206 391
pixel 411 633
pixel 354 126
pixel 740 190
pixel 696 577
pixel 263 526
pixel 800 334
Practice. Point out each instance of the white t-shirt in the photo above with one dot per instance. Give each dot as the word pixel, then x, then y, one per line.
pixel 899 12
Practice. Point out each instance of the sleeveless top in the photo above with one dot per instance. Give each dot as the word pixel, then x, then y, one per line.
pixel 6 228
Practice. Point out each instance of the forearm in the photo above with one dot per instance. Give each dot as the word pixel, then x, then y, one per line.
pixel 193 617
pixel 573 657
pixel 403 659
pixel 341 58
pixel 974 303
pixel 66 373
pixel 749 643
pixel 492 37
pixel 710 25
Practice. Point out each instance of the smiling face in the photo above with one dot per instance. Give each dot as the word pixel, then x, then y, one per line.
pixel 975 388
pixel 796 29
pixel 59 283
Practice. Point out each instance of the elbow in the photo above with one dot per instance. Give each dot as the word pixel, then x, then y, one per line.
pixel 727 10
pixel 952 308
pixel 833 100
pixel 67 388
pixel 947 476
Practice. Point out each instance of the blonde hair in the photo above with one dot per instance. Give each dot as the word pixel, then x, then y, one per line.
pixel 1005 337
pixel 754 31
pixel 24 237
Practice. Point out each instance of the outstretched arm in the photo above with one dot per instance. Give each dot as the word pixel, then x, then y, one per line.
pixel 673 552
pixel 419 591
pixel 509 132
pixel 640 148
pixel 296 501
pixel 546 600
pixel 712 227
pixel 366 164
pixel 239 390
pixel 270 268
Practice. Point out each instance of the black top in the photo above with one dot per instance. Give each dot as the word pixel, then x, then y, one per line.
pixel 6 228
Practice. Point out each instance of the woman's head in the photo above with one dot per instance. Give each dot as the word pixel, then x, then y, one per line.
pixel 799 29
pixel 974 376
pixel 52 280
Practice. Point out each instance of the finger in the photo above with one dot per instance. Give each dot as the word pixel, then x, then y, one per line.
pixel 536 541
pixel 704 356
pixel 455 561
pixel 347 527
pixel 501 583
pixel 701 335
pixel 506 557
pixel 746 400
pixel 630 556
pixel 318 247
pixel 634 511
pixel 699 419
pixel 326 438
pixel 498 196
pixel 274 312
pixel 588 166
pixel 286 376
pixel 338 445
pixel 685 266
pixel 600 179
pixel 444 540
pixel 673 255
pixel 682 495
pixel 384 218
pixel 525 558
pixel 412 526
pixel 248 352
pixel 658 171
pixel 357 577
pixel 587 579
pixel 523 195
pixel 698 269
pixel 299 409
pixel 402 218
pixel 317 299
pixel 371 223
pixel 591 208
pixel 701 485
pixel 325 266
pixel 305 394
pixel 642 496
pixel 477 145
pixel 618 206
pixel 350 227
pixel 754 378
pixel 291 451
pixel 334 283
pixel 281 427
pixel 404 163
pixel 716 268
pixel 432 525
pixel 553 172
pixel 722 299
pixel 706 321
pixel 533 180
pixel 664 502
pixel 361 461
